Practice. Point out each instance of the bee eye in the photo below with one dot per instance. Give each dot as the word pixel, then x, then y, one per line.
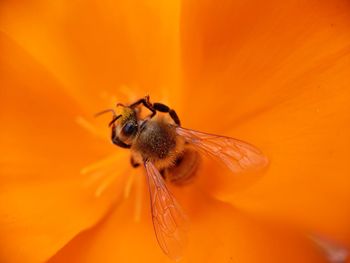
pixel 129 129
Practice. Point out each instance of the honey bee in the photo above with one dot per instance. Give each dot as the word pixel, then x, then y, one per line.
pixel 166 149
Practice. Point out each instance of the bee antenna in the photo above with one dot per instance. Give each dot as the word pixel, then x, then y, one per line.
pixel 115 117
pixel 105 111
pixel 114 120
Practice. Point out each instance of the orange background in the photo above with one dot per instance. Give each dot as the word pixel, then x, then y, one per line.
pixel 273 73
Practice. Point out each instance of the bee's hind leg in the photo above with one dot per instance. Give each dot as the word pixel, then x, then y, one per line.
pixel 134 164
pixel 164 108
pixel 163 173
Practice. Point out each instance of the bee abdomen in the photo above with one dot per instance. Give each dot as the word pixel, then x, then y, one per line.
pixel 185 167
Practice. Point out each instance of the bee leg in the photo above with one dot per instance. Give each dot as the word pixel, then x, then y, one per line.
pixel 145 102
pixel 117 141
pixel 115 118
pixel 162 173
pixel 164 108
pixel 134 164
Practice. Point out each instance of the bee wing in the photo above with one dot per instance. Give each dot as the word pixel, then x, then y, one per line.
pixel 169 221
pixel 237 155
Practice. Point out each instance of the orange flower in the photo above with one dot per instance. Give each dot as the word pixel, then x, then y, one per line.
pixel 275 74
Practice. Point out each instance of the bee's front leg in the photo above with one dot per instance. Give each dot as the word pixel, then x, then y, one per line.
pixel 117 141
pixel 145 102
pixel 164 108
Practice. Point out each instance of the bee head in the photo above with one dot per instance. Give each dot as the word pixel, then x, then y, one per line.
pixel 124 126
pixel 127 123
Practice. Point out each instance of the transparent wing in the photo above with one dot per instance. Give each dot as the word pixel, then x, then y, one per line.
pixel 239 156
pixel 169 221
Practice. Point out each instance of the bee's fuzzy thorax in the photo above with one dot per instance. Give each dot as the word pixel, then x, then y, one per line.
pixel 159 143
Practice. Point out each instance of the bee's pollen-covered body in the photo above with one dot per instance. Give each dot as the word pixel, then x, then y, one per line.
pixel 159 143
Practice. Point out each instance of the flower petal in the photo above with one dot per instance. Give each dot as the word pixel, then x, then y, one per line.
pixel 45 200
pixel 102 52
pixel 242 58
pixel 38 119
pixel 279 73
pixel 218 234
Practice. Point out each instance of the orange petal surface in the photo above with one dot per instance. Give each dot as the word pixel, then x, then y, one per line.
pixel 218 234
pixel 45 200
pixel 276 74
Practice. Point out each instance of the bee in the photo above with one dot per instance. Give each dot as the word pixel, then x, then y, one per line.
pixel 166 149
